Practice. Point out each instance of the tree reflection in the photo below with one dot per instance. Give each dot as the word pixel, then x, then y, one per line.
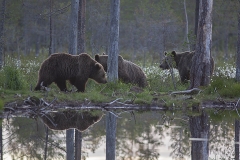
pixel 66 120
pixel 141 139
pixel 148 145
pixel 180 141
pixel 221 132
pixel 25 140
pixel 199 128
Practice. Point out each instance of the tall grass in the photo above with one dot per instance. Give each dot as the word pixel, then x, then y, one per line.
pixel 22 74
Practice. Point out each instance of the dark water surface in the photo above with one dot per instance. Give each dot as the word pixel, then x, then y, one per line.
pixel 140 135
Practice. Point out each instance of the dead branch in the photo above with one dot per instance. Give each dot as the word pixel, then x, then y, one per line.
pixel 188 92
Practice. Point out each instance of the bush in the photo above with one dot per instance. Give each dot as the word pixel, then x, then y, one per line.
pixel 12 78
pixel 225 87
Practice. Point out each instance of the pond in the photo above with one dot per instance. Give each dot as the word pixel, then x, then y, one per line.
pixel 140 134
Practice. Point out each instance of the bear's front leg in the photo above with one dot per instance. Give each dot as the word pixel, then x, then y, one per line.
pixel 61 85
pixel 80 87
pixel 80 84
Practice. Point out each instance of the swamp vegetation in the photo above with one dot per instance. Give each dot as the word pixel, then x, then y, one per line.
pixel 148 119
pixel 19 77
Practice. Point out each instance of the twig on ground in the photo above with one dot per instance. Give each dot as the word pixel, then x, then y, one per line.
pixel 188 92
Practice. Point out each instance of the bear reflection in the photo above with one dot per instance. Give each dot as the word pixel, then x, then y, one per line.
pixel 71 119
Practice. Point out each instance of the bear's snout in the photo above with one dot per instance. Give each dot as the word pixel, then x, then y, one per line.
pixel 164 66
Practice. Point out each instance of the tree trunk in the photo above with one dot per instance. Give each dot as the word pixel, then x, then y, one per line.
pixel 50 28
pixel 112 69
pixel 70 144
pixel 46 144
pixel 73 27
pixel 111 125
pixel 81 26
pixel 199 128
pixel 196 23
pixel 1 141
pixel 196 18
pixel 78 144
pixel 201 67
pixel 238 49
pixel 236 139
pixel 2 14
pixel 186 17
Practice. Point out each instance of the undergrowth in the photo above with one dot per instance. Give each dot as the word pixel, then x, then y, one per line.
pixel 19 77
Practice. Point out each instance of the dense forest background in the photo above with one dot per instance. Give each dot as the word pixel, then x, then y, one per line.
pixel 147 27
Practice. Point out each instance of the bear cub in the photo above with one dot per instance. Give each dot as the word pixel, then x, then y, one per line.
pixel 128 72
pixel 60 67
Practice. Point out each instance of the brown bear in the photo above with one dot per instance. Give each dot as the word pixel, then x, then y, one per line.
pixel 60 67
pixel 128 72
pixel 71 119
pixel 182 61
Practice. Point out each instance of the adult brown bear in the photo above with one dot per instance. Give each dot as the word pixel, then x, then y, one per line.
pixel 60 67
pixel 182 61
pixel 63 120
pixel 128 72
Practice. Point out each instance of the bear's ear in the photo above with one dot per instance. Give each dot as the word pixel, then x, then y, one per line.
pixel 165 53
pixel 120 57
pixel 174 53
pixel 98 66
pixel 97 57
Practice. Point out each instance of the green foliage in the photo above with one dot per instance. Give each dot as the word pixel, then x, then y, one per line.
pixel 225 87
pixel 13 78
pixel 161 80
pixel 1 105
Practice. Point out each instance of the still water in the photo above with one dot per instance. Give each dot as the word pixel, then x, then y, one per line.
pixel 140 135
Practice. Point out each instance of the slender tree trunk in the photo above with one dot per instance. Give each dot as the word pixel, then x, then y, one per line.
pixel 111 124
pixel 201 67
pixel 2 14
pixel 70 144
pixel 73 27
pixel 81 26
pixel 80 49
pixel 78 144
pixel 46 144
pixel 186 17
pixel 50 28
pixel 196 17
pixel 238 49
pixel 1 141
pixel 113 51
pixel 196 23
pixel 199 128
pixel 236 139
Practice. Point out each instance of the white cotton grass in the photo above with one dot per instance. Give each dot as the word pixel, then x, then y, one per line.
pixel 227 70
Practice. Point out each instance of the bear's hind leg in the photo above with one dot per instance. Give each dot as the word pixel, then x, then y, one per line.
pixel 61 85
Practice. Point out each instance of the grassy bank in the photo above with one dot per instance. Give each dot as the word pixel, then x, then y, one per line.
pixel 19 77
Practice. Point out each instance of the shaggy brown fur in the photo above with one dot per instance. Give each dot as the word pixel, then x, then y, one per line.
pixel 128 72
pixel 183 62
pixel 70 119
pixel 60 67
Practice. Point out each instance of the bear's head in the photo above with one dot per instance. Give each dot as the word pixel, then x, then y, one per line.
pixel 169 60
pixel 98 74
pixel 102 59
